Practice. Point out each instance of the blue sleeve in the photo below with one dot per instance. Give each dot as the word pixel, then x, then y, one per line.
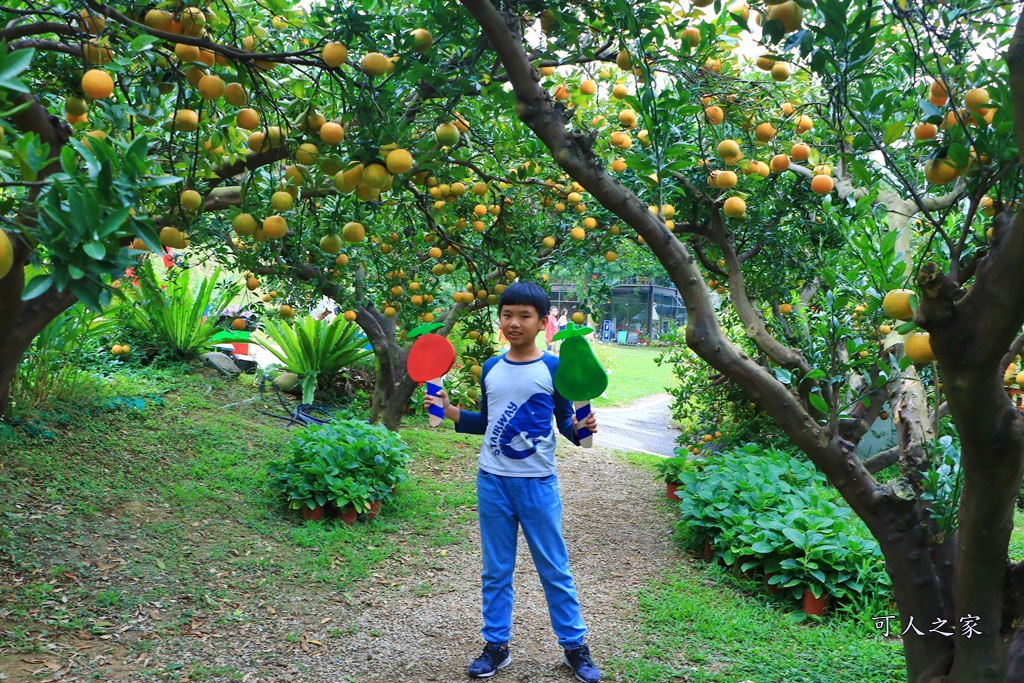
pixel 476 423
pixel 563 406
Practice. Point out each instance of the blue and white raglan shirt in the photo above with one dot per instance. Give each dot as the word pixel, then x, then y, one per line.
pixel 519 409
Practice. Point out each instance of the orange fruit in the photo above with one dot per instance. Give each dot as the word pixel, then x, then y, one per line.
pixel 779 163
pixel 800 152
pixel 447 134
pixel 353 232
pixel 211 87
pixel 235 95
pixel 186 120
pixel 238 324
pixel 350 316
pixel 896 304
pixel 925 131
pixel 785 309
pixel 375 64
pixel 715 115
pixel 95 53
pixel 97 84
pixel 186 53
pixel 941 171
pixel 918 347
pixel 244 224
pixel 275 227
pixel 247 118
pixel 158 19
pixel 281 201
pixel 822 184
pixel 804 123
pixel 332 133
pixel 400 161
pixel 422 40
pixel 190 200
pixel 334 54
pixel 735 207
pixel 781 72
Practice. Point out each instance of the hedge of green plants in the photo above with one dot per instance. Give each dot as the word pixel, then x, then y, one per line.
pixel 343 462
pixel 763 510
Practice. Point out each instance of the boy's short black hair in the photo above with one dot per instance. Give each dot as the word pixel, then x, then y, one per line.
pixel 526 294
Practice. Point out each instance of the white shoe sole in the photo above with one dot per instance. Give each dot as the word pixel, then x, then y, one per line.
pixel 508 660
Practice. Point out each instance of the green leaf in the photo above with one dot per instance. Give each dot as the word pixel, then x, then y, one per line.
pixel 95 250
pixel 818 402
pixel 38 285
pixel 907 327
pixel 12 64
pixel 894 131
pixel 142 42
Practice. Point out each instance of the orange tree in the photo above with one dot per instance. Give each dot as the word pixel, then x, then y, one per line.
pixel 868 76
pixel 392 184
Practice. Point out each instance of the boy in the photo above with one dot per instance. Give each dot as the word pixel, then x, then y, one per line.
pixel 517 484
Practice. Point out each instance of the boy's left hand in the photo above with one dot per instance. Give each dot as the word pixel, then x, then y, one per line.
pixel 590 423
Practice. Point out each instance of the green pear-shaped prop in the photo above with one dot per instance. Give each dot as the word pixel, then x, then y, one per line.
pixel 580 376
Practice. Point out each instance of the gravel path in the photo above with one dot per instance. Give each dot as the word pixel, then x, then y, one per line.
pixel 618 538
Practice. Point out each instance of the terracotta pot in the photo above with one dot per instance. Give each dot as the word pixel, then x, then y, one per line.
pixel 772 588
pixel 313 515
pixel 374 510
pixel 672 488
pixel 709 552
pixel 813 605
pixel 348 514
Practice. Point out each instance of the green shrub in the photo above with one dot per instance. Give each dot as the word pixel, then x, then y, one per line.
pixel 49 370
pixel 764 509
pixel 342 462
pixel 176 317
pixel 315 350
pixel 671 469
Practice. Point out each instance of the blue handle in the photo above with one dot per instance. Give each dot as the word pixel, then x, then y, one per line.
pixel 581 414
pixel 435 410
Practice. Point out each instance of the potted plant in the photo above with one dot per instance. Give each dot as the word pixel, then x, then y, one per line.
pixel 350 497
pixel 670 470
pixel 302 489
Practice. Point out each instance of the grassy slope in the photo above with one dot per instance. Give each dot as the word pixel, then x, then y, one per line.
pixel 122 508
pixel 125 508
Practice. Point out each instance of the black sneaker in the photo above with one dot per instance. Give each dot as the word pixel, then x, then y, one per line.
pixel 494 657
pixel 578 659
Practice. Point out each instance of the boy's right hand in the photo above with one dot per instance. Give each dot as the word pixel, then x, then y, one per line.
pixel 441 399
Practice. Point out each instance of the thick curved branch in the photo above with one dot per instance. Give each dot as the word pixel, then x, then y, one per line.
pixel 785 356
pixel 46 46
pixel 40 28
pixel 879 461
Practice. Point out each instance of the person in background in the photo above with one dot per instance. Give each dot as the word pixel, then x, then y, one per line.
pixel 563 319
pixel 551 328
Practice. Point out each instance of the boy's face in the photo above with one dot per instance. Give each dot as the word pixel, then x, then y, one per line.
pixel 520 325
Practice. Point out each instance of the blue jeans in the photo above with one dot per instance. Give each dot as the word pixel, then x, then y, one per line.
pixel 503 504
